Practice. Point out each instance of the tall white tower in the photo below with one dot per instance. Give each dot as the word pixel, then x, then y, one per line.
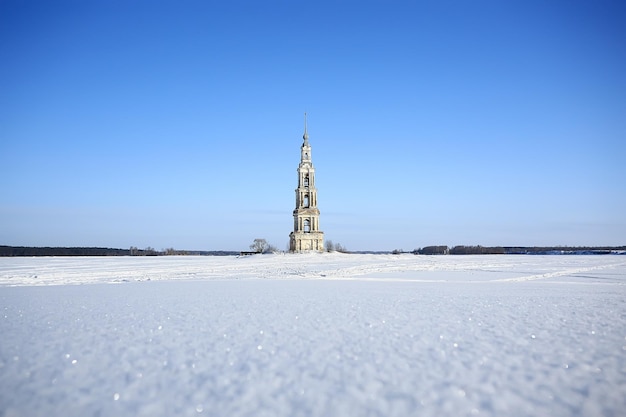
pixel 306 235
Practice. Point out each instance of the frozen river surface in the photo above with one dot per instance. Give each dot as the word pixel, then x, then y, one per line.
pixel 313 335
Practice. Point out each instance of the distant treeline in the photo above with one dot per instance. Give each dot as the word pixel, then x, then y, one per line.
pixel 6 251
pixel 77 251
pixel 511 250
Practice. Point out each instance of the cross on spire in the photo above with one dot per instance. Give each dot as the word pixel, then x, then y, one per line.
pixel 306 135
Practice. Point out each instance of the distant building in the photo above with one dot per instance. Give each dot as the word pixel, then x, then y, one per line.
pixel 306 235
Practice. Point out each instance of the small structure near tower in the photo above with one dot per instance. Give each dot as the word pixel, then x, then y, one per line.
pixel 306 235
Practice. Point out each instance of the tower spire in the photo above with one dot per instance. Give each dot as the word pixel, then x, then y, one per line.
pixel 306 135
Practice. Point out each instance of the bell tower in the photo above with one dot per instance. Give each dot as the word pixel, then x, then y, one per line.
pixel 306 235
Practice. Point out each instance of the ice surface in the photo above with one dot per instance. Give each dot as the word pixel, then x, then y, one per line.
pixel 313 335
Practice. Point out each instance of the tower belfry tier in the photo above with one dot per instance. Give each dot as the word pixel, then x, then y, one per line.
pixel 306 235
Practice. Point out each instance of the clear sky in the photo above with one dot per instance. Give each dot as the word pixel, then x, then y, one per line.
pixel 178 123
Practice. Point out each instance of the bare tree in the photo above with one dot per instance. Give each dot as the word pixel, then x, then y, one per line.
pixel 261 246
pixel 330 246
pixel 340 248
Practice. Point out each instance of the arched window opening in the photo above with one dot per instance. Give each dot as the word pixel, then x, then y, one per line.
pixel 306 180
pixel 307 226
pixel 306 201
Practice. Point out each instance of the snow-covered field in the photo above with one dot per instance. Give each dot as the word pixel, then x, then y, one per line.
pixel 313 335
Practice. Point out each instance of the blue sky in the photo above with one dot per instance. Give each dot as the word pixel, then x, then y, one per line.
pixel 178 124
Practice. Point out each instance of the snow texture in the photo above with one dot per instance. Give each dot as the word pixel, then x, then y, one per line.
pixel 313 335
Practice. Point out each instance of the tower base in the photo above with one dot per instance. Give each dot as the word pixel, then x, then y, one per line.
pixel 306 241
